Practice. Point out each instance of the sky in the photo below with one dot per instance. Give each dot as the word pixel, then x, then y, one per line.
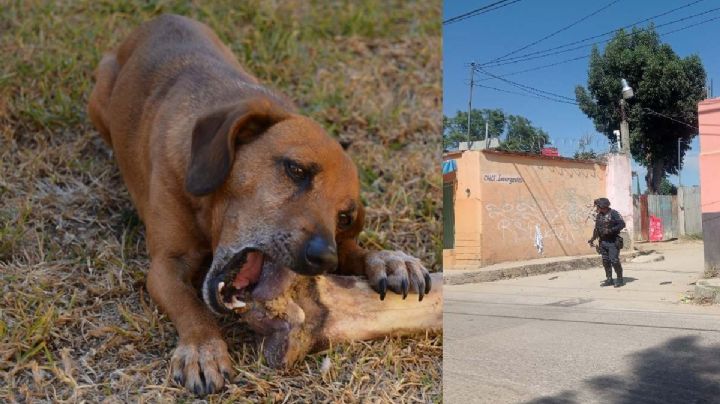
pixel 518 23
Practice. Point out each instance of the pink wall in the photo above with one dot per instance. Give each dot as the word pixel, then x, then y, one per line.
pixel 618 189
pixel 709 117
pixel 709 122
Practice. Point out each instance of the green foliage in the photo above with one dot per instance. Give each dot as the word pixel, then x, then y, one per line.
pixel 523 137
pixel 666 187
pixel 519 133
pixel 663 82
pixel 455 129
pixel 585 155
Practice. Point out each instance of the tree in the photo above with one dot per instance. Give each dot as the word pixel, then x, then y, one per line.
pixel 585 155
pixel 583 152
pixel 663 83
pixel 523 136
pixel 455 128
pixel 666 187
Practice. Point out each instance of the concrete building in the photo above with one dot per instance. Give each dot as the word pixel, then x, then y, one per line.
pixel 507 206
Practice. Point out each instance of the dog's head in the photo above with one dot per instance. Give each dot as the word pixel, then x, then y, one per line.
pixel 282 195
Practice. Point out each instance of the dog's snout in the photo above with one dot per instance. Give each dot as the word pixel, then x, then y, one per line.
pixel 320 256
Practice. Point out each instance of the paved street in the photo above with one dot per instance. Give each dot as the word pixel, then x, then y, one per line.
pixel 561 338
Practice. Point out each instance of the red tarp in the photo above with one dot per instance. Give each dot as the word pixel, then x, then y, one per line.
pixel 656 228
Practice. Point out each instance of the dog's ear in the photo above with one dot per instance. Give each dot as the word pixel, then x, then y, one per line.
pixel 216 135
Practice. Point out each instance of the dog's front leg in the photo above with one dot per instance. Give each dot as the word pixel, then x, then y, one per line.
pixel 394 270
pixel 201 360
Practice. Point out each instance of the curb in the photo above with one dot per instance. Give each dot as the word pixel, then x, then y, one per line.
pixel 480 275
pixel 708 289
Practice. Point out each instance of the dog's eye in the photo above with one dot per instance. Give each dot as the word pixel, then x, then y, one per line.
pixel 295 172
pixel 344 219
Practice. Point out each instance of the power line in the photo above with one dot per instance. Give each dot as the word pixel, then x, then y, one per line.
pixel 502 90
pixel 612 31
pixel 527 88
pixel 527 94
pixel 482 10
pixel 584 46
pixel 565 28
pixel 690 26
pixel 670 118
pixel 631 34
pixel 538 67
pixel 588 55
pixel 547 52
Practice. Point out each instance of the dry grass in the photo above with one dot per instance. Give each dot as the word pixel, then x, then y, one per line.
pixel 76 323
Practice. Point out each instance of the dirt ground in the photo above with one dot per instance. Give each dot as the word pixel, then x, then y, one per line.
pixel 76 322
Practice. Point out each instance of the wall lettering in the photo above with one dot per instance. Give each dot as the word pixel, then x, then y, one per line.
pixel 503 179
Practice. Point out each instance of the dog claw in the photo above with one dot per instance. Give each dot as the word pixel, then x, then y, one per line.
pixel 404 287
pixel 179 379
pixel 382 288
pixel 428 283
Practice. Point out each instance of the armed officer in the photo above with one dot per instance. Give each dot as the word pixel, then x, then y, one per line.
pixel 608 224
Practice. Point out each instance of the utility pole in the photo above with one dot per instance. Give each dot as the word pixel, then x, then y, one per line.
pixel 624 130
pixel 680 195
pixel 679 165
pixel 472 83
pixel 487 145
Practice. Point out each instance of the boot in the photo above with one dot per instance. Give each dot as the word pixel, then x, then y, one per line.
pixel 619 272
pixel 608 274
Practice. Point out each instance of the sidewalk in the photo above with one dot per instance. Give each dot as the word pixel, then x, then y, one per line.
pixel 516 269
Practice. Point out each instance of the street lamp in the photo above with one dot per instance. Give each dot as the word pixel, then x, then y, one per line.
pixel 627 93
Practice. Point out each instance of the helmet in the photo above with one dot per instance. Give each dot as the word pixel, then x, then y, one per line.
pixel 602 203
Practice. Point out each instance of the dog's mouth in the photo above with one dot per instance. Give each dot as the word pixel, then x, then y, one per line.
pixel 249 274
pixel 241 275
pixel 229 288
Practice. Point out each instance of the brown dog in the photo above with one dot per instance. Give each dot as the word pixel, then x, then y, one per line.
pixel 237 191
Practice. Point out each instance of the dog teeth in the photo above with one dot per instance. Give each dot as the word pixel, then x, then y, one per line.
pixel 235 303
pixel 221 285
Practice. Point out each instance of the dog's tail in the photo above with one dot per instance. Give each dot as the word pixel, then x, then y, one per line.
pixel 99 102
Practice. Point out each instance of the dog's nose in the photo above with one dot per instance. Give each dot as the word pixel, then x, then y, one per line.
pixel 320 256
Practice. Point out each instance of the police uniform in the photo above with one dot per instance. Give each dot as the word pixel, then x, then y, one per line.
pixel 607 229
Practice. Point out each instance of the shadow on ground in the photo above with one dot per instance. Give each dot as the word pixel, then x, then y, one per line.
pixel 678 371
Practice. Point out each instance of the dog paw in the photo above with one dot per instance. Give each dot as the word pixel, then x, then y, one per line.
pixel 397 271
pixel 202 368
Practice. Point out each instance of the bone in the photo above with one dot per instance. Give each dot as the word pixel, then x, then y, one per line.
pixel 317 311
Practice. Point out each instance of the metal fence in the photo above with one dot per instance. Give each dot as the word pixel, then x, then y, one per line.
pixel 679 214
pixel 689 211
